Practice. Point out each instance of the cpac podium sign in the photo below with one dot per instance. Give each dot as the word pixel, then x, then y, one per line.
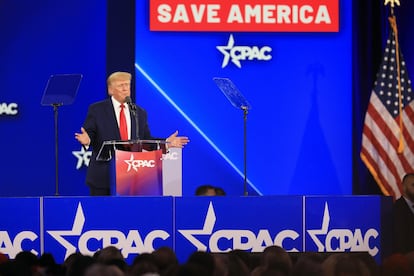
pixel 143 167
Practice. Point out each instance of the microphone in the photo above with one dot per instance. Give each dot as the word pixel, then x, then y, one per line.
pixel 131 105
pixel 133 109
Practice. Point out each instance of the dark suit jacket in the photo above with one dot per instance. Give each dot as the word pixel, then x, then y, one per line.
pixel 101 125
pixel 403 235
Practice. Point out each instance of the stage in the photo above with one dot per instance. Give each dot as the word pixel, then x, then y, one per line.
pixel 64 225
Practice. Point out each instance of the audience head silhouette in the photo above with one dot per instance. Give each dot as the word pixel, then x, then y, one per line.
pixel 205 190
pixel 220 191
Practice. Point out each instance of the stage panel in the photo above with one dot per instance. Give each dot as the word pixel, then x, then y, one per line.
pixel 136 225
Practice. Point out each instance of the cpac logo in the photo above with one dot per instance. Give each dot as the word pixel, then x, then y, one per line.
pixel 8 109
pixel 130 243
pixel 135 164
pixel 341 240
pixel 83 157
pixel 238 53
pixel 170 156
pixel 11 248
pixel 239 239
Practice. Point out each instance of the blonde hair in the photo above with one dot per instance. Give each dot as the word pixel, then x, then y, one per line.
pixel 118 76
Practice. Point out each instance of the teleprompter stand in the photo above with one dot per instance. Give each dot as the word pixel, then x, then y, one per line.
pixel 60 90
pixel 238 101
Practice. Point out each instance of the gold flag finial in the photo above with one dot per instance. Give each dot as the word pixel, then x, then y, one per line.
pixel 392 2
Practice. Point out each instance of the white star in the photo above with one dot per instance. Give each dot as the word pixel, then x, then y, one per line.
pixel 76 231
pixel 83 157
pixel 322 231
pixel 132 163
pixel 225 50
pixel 207 229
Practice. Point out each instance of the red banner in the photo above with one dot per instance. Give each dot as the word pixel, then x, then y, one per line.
pixel 139 173
pixel 245 15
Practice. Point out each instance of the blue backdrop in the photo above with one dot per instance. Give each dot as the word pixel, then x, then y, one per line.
pixel 43 39
pixel 299 127
pixel 298 130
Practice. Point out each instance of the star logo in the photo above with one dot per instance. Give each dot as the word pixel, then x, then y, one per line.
pixel 322 231
pixel 207 229
pixel 83 157
pixel 245 53
pixel 226 51
pixel 77 228
pixel 132 163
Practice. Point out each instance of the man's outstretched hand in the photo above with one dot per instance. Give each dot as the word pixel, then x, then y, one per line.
pixel 83 137
pixel 175 141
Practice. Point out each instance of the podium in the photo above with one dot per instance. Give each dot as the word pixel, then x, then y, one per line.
pixel 143 167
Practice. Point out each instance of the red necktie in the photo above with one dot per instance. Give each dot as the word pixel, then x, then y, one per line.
pixel 123 129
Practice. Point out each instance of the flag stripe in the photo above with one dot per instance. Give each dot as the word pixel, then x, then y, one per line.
pixel 408 120
pixel 376 147
pixel 384 128
pixel 376 173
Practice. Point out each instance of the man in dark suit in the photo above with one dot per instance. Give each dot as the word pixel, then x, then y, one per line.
pixel 103 123
pixel 403 215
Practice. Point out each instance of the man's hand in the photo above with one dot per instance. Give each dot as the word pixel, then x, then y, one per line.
pixel 83 137
pixel 175 141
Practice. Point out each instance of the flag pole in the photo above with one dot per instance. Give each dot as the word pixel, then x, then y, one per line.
pixel 393 22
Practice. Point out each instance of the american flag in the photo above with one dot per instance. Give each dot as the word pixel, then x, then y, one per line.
pixel 388 135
